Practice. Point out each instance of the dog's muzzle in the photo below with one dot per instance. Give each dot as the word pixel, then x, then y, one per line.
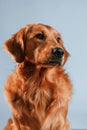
pixel 56 56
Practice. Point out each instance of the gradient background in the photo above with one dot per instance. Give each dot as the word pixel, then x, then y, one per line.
pixel 69 17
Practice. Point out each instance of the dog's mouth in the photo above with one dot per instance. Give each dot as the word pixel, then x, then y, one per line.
pixel 51 63
pixel 55 62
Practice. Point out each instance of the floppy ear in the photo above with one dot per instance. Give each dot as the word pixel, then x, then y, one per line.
pixel 15 45
pixel 66 56
pixel 66 53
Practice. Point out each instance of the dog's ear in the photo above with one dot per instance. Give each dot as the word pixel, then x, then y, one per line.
pixel 66 55
pixel 15 45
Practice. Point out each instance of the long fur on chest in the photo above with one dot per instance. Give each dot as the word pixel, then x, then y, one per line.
pixel 38 98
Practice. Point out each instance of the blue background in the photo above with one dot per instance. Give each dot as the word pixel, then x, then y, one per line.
pixel 69 17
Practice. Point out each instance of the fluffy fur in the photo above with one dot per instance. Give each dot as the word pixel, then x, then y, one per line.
pixel 38 91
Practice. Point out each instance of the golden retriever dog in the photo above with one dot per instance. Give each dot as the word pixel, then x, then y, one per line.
pixel 38 91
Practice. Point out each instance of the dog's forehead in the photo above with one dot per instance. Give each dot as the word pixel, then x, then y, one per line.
pixel 36 28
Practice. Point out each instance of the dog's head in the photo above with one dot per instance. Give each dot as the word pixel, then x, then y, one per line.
pixel 38 44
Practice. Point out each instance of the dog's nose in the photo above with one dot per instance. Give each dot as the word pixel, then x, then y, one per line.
pixel 57 52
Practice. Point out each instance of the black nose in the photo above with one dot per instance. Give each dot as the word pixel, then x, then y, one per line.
pixel 57 52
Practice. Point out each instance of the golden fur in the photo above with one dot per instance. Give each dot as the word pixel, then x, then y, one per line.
pixel 38 91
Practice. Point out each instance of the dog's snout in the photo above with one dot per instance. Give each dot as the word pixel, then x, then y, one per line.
pixel 57 52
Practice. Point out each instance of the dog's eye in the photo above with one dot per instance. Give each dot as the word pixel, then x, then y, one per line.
pixel 58 39
pixel 40 36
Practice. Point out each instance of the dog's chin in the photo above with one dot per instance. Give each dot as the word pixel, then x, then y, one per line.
pixel 55 62
pixel 51 63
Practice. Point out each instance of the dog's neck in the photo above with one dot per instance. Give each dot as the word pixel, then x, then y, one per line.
pixel 27 70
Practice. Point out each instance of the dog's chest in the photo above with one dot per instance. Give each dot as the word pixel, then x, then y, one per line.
pixel 40 96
